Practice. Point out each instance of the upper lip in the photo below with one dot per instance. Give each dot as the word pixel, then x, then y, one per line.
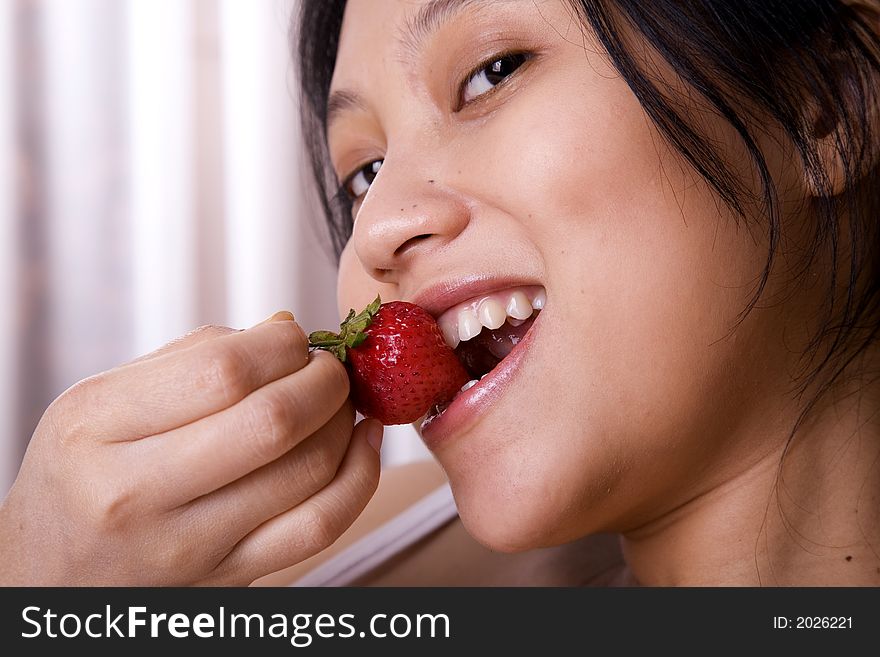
pixel 439 297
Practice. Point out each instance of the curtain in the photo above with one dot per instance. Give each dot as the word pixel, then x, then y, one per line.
pixel 152 181
pixel 9 447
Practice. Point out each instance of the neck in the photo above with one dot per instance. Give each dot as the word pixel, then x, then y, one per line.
pixel 813 521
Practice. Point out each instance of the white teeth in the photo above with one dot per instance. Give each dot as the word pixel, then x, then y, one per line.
pixel 539 300
pixel 519 306
pixel 491 313
pixel 468 325
pixel 470 384
pixel 450 334
pixel 485 375
pixel 466 320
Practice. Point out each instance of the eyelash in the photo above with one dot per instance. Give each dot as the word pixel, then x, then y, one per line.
pixel 519 55
pixel 523 57
pixel 345 187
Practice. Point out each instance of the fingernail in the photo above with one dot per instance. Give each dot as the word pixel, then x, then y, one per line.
pixel 280 316
pixel 375 431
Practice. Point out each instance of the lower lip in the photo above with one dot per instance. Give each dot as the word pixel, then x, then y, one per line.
pixel 467 408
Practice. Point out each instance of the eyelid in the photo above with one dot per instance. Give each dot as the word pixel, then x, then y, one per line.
pixel 346 181
pixel 353 152
pixel 525 54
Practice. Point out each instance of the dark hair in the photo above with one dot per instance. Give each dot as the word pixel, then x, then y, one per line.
pixel 747 59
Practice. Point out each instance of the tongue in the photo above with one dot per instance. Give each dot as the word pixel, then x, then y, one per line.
pixel 482 353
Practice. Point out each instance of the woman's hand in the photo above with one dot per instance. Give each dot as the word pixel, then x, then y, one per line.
pixel 219 458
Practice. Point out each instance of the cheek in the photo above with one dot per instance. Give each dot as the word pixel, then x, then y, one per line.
pixel 648 275
pixel 573 157
pixel 644 381
pixel 664 277
pixel 646 259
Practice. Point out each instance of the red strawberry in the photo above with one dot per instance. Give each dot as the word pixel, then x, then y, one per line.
pixel 397 361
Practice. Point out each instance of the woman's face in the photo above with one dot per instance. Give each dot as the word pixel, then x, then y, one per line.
pixel 631 393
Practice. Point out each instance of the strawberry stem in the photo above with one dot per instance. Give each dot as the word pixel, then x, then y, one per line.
pixel 352 332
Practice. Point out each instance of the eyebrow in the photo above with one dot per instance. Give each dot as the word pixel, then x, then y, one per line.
pixel 427 20
pixel 341 101
pixel 411 37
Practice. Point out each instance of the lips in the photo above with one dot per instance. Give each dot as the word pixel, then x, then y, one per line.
pixel 491 330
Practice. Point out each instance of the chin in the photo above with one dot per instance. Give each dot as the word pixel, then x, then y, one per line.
pixel 512 499
pixel 513 527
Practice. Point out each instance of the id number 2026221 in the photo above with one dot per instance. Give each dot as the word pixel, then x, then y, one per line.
pixel 812 623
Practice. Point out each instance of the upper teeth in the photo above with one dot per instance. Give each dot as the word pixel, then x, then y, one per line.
pixel 465 321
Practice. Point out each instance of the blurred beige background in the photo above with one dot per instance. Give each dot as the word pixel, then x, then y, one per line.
pixel 151 181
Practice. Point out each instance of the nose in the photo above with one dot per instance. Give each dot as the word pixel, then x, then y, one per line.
pixel 405 216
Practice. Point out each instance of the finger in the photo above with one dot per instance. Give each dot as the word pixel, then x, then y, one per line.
pixel 315 524
pixel 194 460
pixel 203 333
pixel 181 386
pixel 194 337
pixel 278 486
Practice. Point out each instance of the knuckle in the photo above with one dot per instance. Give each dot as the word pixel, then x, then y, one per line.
pixel 168 559
pixel 69 414
pixel 320 528
pixel 294 335
pixel 195 336
pixel 319 457
pixel 173 556
pixel 362 483
pixel 82 392
pixel 319 467
pixel 226 374
pixel 270 422
pixel 209 331
pixel 178 551
pixel 112 507
pixel 342 423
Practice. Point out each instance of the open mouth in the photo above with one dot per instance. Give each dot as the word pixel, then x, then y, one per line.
pixel 484 330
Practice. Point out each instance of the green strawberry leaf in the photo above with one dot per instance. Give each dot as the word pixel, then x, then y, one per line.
pixel 324 339
pixel 352 332
pixel 373 308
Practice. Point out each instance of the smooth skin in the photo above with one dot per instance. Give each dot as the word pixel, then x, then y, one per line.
pixel 229 455
pixel 217 459
pixel 669 420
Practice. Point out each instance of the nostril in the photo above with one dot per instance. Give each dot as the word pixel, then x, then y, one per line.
pixel 412 241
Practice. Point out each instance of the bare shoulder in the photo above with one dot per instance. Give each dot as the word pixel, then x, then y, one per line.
pixel 399 488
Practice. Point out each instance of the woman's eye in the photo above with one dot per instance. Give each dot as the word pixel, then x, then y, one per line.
pixel 359 182
pixel 490 75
